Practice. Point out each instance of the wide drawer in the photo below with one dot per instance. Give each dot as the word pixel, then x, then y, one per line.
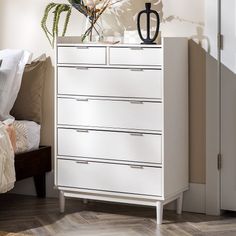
pixel 110 177
pixel 132 147
pixel 110 114
pixel 139 56
pixel 82 55
pixel 110 82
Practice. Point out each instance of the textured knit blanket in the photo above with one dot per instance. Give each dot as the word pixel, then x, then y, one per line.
pixel 7 168
pixel 21 136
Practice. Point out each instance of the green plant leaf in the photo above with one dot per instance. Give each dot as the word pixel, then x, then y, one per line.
pixel 56 9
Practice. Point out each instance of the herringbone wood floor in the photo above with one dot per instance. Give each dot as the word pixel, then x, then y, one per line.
pixel 34 216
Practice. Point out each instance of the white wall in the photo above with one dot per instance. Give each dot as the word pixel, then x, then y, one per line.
pixel 20 28
pixel 228 28
pixel 211 27
pixel 21 24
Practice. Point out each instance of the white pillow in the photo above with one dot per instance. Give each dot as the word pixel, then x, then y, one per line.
pixel 11 71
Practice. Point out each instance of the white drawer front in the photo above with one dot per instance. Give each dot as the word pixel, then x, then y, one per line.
pixel 110 177
pixel 136 56
pixel 110 145
pixel 110 82
pixel 107 113
pixel 82 55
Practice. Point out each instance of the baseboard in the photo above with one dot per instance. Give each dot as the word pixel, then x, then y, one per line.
pixel 194 199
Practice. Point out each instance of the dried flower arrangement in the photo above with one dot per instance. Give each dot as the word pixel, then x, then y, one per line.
pixel 92 9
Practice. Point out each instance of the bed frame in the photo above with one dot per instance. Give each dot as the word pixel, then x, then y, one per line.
pixel 34 164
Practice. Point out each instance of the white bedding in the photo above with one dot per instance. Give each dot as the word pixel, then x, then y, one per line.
pixel 27 135
pixel 12 64
pixel 11 70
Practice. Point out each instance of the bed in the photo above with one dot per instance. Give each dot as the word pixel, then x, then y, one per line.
pixel 31 160
pixel 21 94
pixel 34 164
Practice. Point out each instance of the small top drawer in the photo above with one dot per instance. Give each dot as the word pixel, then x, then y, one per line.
pixel 82 55
pixel 140 56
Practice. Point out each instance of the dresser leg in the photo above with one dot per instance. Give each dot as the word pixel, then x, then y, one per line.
pixel 159 212
pixel 62 202
pixel 179 204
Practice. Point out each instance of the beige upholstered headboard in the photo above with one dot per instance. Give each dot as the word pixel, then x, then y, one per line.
pixel 28 105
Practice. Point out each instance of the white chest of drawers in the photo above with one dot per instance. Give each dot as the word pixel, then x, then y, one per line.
pixel 121 122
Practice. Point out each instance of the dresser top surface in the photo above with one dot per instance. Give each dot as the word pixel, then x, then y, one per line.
pixel 73 40
pixel 76 41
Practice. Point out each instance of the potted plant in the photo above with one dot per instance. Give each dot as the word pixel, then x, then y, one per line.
pixel 91 9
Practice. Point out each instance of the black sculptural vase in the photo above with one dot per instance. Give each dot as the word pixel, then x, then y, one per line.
pixel 149 39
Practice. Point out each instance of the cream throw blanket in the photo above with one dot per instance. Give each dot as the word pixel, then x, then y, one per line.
pixel 7 168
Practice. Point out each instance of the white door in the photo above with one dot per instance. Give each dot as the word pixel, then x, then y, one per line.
pixel 228 171
pixel 228 27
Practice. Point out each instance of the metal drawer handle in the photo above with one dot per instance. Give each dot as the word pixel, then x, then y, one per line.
pixel 82 99
pixel 82 131
pixel 81 68
pixel 137 134
pixel 82 162
pixel 137 69
pixel 136 48
pixel 82 47
pixel 136 102
pixel 136 167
